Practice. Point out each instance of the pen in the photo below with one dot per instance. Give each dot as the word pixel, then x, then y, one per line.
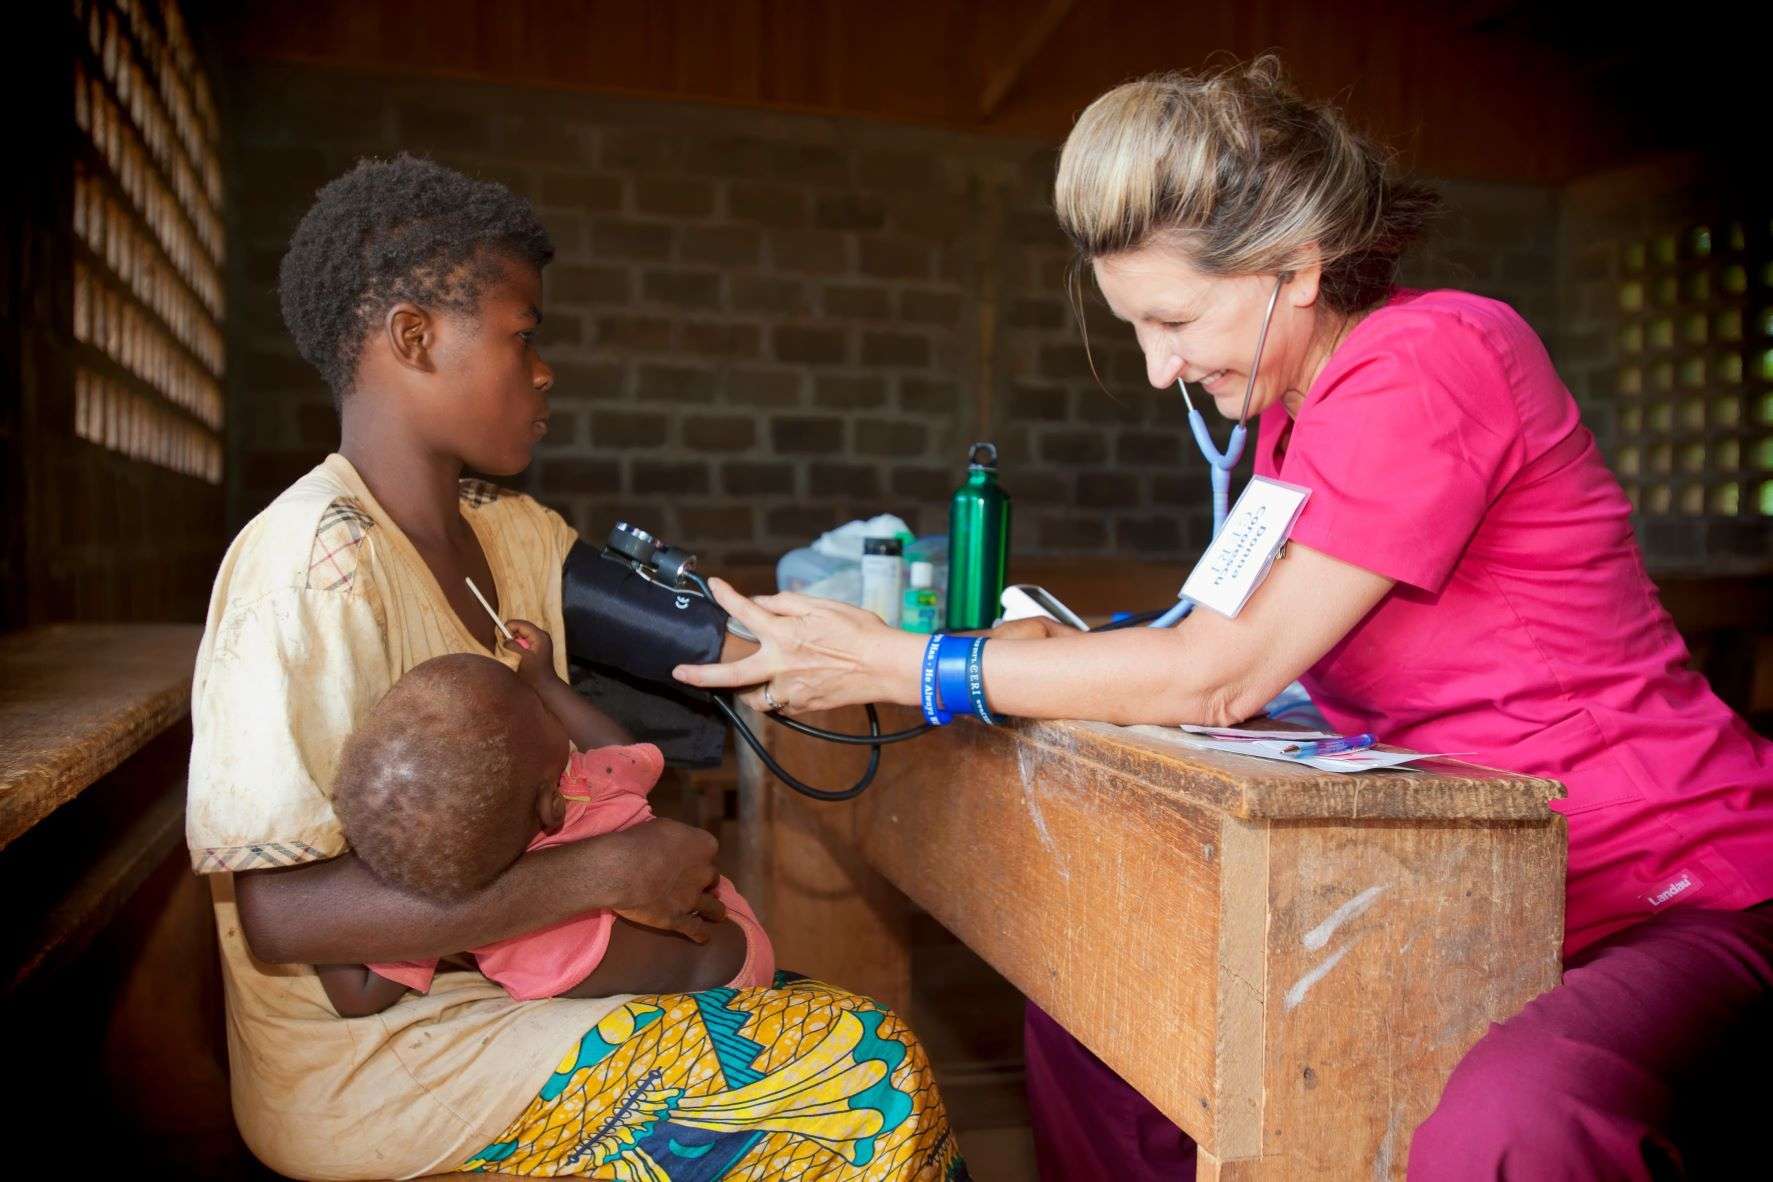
pixel 1330 746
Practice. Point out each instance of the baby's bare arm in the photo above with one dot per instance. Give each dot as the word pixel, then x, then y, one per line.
pixel 355 992
pixel 647 960
pixel 585 724
pixel 588 727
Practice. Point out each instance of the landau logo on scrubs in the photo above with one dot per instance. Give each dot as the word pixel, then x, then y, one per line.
pixel 1680 884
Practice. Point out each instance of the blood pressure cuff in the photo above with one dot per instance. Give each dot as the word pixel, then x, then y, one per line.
pixel 625 635
pixel 616 617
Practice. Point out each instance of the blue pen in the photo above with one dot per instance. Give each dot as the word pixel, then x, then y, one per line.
pixel 1330 746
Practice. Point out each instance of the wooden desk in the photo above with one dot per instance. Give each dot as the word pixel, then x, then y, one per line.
pixel 1287 962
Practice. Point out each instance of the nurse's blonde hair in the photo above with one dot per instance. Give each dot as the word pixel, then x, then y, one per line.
pixel 1240 173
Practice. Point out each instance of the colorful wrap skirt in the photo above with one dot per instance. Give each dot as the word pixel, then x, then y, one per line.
pixel 801 1081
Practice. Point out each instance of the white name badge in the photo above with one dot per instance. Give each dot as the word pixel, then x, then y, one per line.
pixel 1255 533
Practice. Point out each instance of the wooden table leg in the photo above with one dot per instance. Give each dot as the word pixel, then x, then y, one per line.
pixel 829 915
pixel 1358 963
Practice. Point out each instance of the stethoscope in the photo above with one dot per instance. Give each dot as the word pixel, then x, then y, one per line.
pixel 1220 463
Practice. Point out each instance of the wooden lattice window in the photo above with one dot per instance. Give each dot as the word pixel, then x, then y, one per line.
pixel 1695 380
pixel 147 279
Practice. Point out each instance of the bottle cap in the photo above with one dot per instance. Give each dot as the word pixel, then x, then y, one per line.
pixel 923 574
pixel 890 546
pixel 982 455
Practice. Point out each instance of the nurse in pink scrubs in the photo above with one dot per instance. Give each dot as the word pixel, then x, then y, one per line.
pixel 1463 577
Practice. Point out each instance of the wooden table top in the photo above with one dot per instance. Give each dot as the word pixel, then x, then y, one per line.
pixel 1241 786
pixel 76 700
pixel 1250 788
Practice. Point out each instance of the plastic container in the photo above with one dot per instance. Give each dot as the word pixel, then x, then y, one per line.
pixel 828 576
pixel 883 577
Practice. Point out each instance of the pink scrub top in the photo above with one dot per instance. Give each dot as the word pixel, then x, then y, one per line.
pixel 1443 452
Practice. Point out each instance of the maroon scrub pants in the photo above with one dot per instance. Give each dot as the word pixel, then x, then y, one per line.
pixel 1653 1060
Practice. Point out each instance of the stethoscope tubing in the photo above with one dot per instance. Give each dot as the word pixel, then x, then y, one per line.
pixel 1220 463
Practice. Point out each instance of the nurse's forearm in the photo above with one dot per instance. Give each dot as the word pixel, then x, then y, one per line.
pixel 1128 676
pixel 1208 669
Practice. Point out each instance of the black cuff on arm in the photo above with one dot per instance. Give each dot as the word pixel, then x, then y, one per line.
pixel 616 617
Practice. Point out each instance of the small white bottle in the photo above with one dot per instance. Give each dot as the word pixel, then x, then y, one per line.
pixel 883 577
pixel 919 613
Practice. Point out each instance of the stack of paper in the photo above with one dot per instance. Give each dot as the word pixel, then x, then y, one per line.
pixel 1271 744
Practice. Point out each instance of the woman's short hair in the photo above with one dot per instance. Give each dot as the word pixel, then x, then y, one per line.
pixel 1242 173
pixel 394 230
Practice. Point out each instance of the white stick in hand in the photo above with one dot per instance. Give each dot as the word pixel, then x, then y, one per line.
pixel 497 623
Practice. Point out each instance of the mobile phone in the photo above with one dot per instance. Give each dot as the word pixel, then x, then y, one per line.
pixel 1025 600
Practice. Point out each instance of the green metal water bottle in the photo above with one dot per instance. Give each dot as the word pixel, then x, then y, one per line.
pixel 978 543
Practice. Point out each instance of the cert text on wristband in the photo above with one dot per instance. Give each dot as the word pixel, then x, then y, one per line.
pixel 976 682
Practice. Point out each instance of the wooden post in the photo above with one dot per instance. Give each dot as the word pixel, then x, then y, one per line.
pixel 829 915
pixel 1357 964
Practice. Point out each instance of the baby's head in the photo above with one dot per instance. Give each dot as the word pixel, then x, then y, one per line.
pixel 448 780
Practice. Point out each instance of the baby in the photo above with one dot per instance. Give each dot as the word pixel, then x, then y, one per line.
pixel 464 766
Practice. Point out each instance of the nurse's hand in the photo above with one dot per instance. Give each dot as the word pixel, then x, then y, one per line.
pixel 813 654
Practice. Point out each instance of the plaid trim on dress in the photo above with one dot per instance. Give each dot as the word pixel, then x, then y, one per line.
pixel 480 492
pixel 254 857
pixel 332 561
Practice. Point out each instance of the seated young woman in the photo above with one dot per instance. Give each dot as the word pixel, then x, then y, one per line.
pixel 417 293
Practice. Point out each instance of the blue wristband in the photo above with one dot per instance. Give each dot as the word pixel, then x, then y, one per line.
pixel 932 710
pixel 976 681
pixel 951 673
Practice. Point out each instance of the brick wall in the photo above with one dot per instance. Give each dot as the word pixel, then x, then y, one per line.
pixel 763 325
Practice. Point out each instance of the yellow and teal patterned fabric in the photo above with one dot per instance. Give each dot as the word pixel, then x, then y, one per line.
pixel 803 1081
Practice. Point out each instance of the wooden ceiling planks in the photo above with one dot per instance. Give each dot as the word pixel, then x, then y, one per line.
pixel 1457 97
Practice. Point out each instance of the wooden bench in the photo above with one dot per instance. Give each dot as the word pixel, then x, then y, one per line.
pixel 108 962
pixel 76 700
pixel 88 707
pixel 1287 962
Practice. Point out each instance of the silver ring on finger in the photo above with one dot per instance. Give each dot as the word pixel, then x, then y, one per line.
pixel 769 699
